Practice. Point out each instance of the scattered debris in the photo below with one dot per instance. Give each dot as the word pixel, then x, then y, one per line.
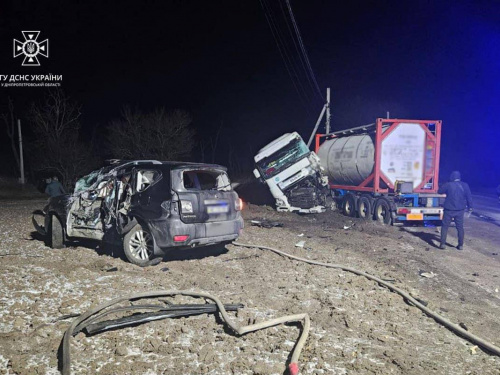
pixel 475 274
pixel 463 326
pixel 300 244
pixel 346 227
pixel 473 349
pixel 429 275
pixel 300 235
pixel 113 269
pixel 89 320
pixel 164 269
pixel 406 296
pixel 264 223
pixel 494 253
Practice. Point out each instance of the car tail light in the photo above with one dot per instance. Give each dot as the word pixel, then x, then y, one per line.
pixel 238 204
pixel 186 207
pixel 181 238
pixel 404 211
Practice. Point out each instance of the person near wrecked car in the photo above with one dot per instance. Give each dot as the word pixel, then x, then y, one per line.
pixel 54 188
pixel 458 199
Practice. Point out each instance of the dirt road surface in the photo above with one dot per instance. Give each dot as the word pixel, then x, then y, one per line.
pixel 357 327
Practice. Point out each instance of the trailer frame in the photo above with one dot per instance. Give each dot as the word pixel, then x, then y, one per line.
pixel 379 187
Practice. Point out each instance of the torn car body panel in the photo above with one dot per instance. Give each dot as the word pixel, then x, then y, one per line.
pixel 181 204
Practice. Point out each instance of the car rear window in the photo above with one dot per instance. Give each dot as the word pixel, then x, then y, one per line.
pixel 205 180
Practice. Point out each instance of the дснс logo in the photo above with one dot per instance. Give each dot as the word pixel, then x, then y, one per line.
pixel 30 48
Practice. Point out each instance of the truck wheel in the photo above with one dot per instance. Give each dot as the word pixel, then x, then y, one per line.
pixel 55 233
pixel 382 211
pixel 138 246
pixel 349 205
pixel 365 208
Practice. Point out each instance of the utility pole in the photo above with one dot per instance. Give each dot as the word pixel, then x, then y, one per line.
pixel 327 122
pixel 326 109
pixel 21 159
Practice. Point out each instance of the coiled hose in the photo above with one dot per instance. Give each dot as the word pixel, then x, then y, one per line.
pixel 439 318
pixel 83 319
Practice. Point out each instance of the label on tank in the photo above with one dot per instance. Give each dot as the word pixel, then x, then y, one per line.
pixel 402 157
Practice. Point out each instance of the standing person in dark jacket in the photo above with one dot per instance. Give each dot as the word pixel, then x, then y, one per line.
pixel 54 188
pixel 458 198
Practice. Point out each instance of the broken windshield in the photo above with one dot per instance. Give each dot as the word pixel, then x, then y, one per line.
pixel 87 181
pixel 281 159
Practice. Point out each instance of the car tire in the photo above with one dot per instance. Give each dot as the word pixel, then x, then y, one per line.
pixel 365 208
pixel 382 212
pixel 138 246
pixel 55 234
pixel 349 205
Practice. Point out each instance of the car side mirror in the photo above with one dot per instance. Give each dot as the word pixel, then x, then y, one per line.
pixel 256 173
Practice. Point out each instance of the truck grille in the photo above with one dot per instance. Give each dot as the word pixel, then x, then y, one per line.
pixel 305 197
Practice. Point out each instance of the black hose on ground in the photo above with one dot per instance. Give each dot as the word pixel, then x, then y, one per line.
pixel 240 330
pixel 439 318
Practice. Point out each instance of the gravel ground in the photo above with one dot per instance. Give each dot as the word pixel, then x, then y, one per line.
pixel 357 327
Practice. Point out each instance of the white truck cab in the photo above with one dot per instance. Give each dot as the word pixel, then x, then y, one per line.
pixel 293 174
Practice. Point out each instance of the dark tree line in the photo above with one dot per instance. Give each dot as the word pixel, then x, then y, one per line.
pixel 56 146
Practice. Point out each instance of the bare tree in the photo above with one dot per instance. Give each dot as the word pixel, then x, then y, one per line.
pixel 214 141
pixel 10 125
pixel 158 135
pixel 57 147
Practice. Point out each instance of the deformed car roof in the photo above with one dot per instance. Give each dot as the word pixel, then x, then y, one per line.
pixel 169 164
pixel 115 167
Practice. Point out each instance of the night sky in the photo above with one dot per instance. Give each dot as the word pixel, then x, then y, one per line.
pixel 219 61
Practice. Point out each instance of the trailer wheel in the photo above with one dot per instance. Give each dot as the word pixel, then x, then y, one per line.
pixel 382 211
pixel 365 208
pixel 349 205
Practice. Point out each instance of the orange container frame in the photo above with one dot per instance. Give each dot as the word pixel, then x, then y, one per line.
pixel 374 181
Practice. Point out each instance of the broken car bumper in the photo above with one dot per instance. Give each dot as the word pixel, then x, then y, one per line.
pixel 199 234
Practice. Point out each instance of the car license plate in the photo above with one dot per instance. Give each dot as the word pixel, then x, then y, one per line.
pixel 415 217
pixel 219 209
pixel 430 211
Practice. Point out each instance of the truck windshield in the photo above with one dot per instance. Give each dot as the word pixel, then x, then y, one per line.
pixel 281 159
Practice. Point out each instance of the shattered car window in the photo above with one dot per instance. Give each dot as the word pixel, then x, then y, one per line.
pixel 206 180
pixel 86 181
pixel 145 179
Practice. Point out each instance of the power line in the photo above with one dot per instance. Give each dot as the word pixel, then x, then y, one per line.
pixel 284 44
pixel 301 59
pixel 304 53
pixel 284 55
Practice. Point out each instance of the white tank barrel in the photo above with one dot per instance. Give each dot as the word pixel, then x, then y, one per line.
pixel 349 160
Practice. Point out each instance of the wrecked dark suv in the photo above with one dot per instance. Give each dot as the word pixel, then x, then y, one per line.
pixel 148 207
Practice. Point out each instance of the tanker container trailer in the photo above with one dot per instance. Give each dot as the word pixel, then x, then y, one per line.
pixel 387 170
